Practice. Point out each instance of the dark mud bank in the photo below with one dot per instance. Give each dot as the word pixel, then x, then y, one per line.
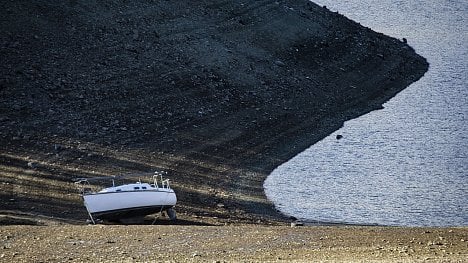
pixel 218 93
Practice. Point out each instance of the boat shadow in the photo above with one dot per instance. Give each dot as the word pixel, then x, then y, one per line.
pixel 148 220
pixel 182 222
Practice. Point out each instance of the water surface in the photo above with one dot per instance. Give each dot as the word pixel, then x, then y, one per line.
pixel 407 164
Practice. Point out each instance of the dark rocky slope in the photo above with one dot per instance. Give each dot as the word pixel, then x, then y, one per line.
pixel 218 93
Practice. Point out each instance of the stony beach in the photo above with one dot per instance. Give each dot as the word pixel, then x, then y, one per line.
pixel 217 94
pixel 254 243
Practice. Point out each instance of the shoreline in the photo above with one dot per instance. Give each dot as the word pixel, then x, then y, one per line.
pixel 219 115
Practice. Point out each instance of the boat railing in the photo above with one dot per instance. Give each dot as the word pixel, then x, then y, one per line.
pixel 84 186
pixel 92 185
pixel 164 182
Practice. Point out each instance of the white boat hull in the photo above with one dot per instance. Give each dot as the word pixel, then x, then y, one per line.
pixel 125 204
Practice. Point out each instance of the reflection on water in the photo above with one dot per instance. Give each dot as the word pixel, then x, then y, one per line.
pixel 406 164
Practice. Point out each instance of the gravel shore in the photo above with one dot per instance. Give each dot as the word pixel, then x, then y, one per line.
pixel 231 244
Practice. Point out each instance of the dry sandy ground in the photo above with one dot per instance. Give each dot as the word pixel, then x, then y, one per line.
pixel 245 243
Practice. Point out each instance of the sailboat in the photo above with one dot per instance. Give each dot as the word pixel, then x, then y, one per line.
pixel 128 200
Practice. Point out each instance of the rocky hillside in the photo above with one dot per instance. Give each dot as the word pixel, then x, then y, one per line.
pixel 218 93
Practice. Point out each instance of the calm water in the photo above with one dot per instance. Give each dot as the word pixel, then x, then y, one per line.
pixel 404 165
